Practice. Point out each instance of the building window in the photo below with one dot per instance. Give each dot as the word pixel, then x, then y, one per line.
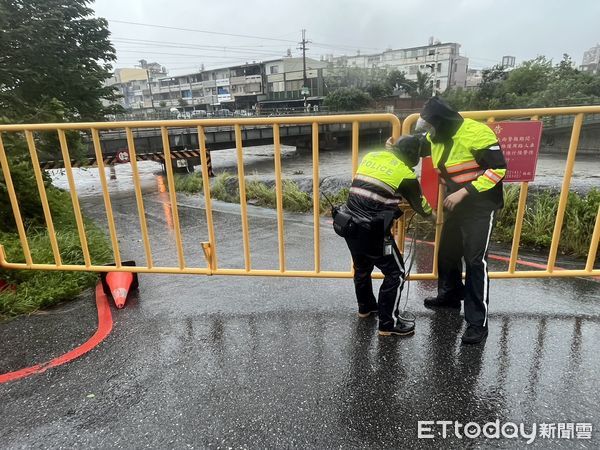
pixel 274 69
pixel 439 67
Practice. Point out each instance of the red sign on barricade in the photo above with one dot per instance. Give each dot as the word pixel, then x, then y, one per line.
pixel 429 181
pixel 520 143
pixel 123 156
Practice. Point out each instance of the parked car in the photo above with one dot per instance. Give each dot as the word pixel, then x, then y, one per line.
pixel 223 113
pixel 199 114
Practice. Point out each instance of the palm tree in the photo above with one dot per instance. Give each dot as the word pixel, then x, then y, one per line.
pixel 423 86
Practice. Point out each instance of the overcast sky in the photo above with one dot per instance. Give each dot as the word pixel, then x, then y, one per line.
pixel 486 29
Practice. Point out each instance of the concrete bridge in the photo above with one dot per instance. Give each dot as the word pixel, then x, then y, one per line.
pixel 217 138
pixel 556 134
pixel 184 140
pixel 555 138
pixel 148 141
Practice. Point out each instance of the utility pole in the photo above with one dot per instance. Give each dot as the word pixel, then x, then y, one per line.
pixel 150 88
pixel 305 90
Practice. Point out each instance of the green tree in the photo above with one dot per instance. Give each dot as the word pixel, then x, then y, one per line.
pixel 461 99
pixel 535 83
pixel 55 58
pixel 423 86
pixel 347 99
pixel 397 81
pixel 379 90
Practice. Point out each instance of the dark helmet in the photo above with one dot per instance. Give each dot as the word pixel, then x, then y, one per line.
pixel 407 148
pixel 444 119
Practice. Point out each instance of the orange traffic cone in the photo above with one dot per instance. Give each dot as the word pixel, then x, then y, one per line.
pixel 118 284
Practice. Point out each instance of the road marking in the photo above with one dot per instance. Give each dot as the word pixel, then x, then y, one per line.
pixel 104 328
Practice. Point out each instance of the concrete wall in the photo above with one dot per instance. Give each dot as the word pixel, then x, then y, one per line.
pixel 557 140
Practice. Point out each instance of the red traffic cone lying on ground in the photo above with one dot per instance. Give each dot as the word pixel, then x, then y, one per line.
pixel 118 284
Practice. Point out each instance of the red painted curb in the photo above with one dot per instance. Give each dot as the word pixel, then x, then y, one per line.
pixel 103 330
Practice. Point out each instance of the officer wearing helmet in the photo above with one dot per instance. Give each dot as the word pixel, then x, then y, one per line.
pixel 383 178
pixel 469 160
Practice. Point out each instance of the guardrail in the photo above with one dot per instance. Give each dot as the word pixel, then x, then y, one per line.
pixel 210 248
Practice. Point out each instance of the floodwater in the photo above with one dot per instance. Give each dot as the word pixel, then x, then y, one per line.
pixel 258 162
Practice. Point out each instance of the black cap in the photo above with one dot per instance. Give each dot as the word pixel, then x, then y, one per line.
pixel 407 148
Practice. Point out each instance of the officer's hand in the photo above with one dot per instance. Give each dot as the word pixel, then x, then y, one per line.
pixel 455 198
pixel 389 144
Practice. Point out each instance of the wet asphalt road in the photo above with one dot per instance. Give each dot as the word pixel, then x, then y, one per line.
pixel 244 362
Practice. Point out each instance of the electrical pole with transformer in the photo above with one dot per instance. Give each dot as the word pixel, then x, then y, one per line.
pixel 305 89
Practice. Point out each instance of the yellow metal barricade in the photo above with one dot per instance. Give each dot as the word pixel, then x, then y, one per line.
pixel 579 114
pixel 210 248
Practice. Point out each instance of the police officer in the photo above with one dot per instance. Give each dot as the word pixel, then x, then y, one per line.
pixel 471 165
pixel 383 177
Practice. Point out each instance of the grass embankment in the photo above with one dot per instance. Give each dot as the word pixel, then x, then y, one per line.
pixel 39 289
pixel 538 222
pixel 224 187
pixel 540 214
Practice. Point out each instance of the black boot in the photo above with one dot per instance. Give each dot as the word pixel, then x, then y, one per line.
pixel 441 302
pixel 367 310
pixel 402 328
pixel 474 334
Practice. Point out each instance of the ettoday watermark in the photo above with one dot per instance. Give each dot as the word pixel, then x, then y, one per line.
pixel 444 429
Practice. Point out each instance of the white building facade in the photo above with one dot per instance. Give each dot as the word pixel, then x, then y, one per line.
pixel 442 61
pixel 591 60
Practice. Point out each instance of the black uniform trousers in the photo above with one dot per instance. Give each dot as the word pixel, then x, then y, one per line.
pixel 365 258
pixel 466 234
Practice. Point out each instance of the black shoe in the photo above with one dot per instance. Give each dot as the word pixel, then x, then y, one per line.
pixel 441 302
pixel 474 334
pixel 366 311
pixel 402 328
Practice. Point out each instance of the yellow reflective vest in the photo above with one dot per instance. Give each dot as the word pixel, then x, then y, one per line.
pixel 386 171
pixel 386 167
pixel 461 165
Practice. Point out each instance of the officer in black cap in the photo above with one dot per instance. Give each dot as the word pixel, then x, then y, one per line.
pixel 383 178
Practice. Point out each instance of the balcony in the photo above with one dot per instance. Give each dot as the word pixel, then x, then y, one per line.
pixel 237 80
pixel 254 79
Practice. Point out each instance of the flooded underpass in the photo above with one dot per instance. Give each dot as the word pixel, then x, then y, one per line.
pixel 284 362
pixel 297 164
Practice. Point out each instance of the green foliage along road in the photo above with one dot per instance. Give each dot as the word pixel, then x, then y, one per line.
pixel 535 83
pixel 54 58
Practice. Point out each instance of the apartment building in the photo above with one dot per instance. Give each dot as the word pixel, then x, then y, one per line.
pixel 591 60
pixel 285 79
pixel 442 61
pixel 236 87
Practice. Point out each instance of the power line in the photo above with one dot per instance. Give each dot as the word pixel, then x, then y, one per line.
pixel 151 52
pixel 149 42
pixel 134 44
pixel 158 44
pixel 194 30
